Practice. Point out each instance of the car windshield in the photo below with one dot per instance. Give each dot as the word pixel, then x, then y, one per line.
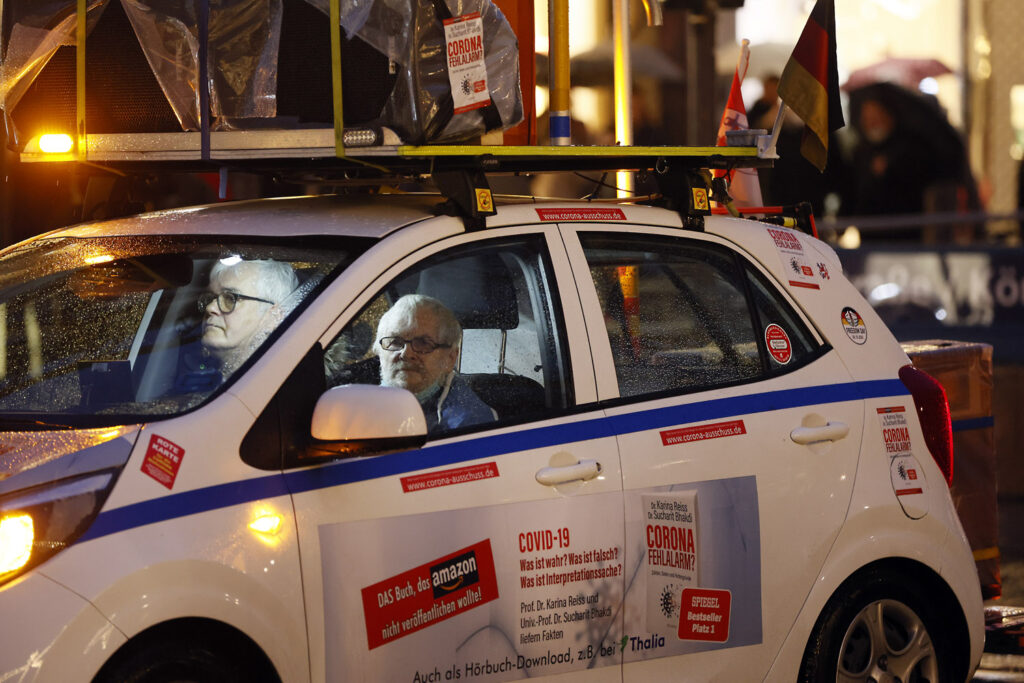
pixel 106 330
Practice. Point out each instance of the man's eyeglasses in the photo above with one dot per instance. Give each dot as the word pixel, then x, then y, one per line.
pixel 226 301
pixel 418 344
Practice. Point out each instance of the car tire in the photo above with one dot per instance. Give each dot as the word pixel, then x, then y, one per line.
pixel 879 627
pixel 195 658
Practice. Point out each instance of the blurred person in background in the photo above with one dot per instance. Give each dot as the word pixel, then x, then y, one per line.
pixel 907 159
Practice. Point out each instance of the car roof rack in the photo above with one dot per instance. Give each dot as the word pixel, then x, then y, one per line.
pixel 682 174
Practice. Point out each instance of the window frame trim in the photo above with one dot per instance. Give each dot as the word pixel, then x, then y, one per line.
pixel 548 237
pixel 740 258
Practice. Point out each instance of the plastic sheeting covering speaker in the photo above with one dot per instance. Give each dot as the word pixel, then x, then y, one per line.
pixel 243 49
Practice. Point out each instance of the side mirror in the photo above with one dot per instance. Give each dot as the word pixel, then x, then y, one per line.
pixel 360 419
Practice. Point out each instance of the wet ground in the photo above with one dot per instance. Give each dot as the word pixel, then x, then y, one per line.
pixel 1002 667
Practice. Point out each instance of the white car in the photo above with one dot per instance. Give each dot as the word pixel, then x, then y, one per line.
pixel 703 457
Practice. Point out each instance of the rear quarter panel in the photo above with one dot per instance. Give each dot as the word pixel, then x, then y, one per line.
pixel 877 525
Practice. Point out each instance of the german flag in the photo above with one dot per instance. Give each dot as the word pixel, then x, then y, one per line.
pixel 810 82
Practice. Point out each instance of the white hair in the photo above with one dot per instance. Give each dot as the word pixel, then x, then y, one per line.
pixel 448 325
pixel 274 280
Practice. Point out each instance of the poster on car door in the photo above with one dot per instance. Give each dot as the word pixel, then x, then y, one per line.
pixel 493 594
pixel 533 589
pixel 693 568
pixel 670 538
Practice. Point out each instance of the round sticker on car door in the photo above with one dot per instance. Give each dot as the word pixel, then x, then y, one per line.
pixel 854 326
pixel 779 346
pixel 909 485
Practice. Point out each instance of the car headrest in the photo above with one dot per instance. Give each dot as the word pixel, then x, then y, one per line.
pixel 478 289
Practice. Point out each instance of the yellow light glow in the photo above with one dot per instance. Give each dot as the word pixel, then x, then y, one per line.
pixel 102 258
pixel 267 524
pixel 16 537
pixel 56 143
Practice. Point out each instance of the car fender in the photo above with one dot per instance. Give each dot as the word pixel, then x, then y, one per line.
pixel 192 588
pixel 873 534
pixel 52 635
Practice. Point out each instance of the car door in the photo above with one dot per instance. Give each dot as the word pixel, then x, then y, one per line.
pixel 739 437
pixel 495 551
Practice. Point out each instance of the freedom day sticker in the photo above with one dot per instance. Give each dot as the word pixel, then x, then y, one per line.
pixel 854 326
pixel 162 461
pixel 430 593
pixel 791 251
pixel 779 346
pixel 467 71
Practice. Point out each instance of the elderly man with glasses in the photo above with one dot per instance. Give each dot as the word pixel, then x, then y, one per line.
pixel 418 342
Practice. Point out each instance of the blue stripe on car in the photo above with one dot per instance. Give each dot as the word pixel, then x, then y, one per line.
pixel 350 471
pixel 973 423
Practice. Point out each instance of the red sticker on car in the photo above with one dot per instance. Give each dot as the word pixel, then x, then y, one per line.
pixel 907 477
pixel 791 251
pixel 429 594
pixel 700 433
pixel 597 214
pixel 704 615
pixel 779 346
pixel 459 475
pixel 163 459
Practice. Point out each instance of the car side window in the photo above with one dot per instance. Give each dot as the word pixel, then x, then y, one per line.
pixel 676 312
pixel 787 340
pixel 511 363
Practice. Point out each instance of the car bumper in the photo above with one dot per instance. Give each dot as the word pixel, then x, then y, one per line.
pixel 51 634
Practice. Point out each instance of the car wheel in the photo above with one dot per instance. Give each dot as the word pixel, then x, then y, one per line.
pixel 880 629
pixel 199 658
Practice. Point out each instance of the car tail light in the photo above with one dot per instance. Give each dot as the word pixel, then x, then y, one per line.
pixel 933 411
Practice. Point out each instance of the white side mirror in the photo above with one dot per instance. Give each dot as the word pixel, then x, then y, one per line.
pixel 361 412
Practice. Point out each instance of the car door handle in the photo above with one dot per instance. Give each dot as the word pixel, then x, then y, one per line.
pixel 583 470
pixel 833 431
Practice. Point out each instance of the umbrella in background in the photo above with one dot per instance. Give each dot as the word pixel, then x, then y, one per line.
pixel 923 135
pixel 918 117
pixel 905 71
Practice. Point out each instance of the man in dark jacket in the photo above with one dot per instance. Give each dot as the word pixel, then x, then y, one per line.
pixel 418 343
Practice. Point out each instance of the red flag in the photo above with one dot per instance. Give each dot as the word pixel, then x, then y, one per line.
pixel 743 183
pixel 810 82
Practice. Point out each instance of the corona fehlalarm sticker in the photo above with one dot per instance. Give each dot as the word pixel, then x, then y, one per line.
pixel 779 346
pixel 895 431
pixel 670 534
pixel 799 270
pixel 467 70
pixel 854 326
